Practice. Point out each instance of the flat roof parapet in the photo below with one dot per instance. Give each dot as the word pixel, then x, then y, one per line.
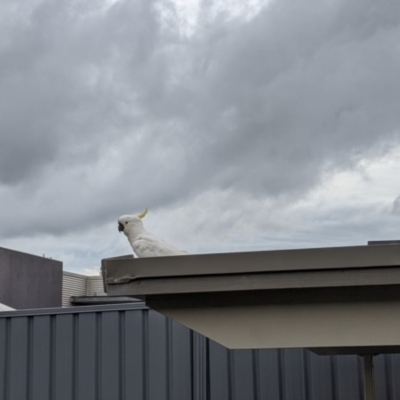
pixel 263 270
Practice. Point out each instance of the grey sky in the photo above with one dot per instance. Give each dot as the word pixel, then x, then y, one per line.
pixel 224 119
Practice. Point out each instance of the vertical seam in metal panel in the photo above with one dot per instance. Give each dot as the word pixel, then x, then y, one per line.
pixel 388 377
pixel 281 374
pixel 99 393
pixel 122 370
pixel 168 358
pixel 192 366
pixel 145 355
pixel 334 377
pixel 255 358
pixel 199 365
pixel 208 377
pixel 307 375
pixel 231 369
pixel 52 356
pixel 29 355
pixel 193 369
pixel 75 356
pixel 360 376
pixel 203 354
pixel 7 368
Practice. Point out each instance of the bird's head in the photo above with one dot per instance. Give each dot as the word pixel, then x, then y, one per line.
pixel 128 222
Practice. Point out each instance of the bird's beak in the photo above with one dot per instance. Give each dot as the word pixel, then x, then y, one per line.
pixel 120 227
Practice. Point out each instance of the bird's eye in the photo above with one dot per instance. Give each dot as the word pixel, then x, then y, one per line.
pixel 126 223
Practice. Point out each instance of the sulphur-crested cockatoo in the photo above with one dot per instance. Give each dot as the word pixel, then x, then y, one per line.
pixel 144 243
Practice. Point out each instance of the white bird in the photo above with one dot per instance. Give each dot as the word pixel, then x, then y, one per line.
pixel 144 243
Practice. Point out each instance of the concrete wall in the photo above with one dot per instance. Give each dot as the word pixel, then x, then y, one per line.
pixel 28 281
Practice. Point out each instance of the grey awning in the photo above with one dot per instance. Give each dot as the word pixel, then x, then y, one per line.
pixel 333 300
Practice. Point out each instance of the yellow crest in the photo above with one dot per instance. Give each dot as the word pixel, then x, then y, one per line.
pixel 143 214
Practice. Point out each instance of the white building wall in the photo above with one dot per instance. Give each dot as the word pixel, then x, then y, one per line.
pixel 80 285
pixel 95 286
pixel 73 285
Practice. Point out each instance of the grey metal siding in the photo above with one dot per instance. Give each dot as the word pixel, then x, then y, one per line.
pixel 129 352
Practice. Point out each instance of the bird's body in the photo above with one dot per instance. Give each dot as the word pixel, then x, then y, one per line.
pixel 144 243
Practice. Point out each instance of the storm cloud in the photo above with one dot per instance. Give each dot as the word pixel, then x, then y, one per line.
pixel 108 107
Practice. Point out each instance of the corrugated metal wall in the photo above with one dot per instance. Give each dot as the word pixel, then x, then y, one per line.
pixel 129 352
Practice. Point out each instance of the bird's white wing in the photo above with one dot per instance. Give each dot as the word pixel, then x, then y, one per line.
pixel 151 246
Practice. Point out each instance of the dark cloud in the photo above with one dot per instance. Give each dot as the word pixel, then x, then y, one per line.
pixel 62 81
pixel 105 108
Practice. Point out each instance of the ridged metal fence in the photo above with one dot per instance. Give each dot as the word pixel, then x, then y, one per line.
pixel 129 352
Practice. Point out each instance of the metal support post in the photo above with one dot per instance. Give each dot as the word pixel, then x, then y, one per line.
pixel 369 383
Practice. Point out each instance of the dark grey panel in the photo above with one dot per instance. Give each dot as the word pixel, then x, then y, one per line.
pixel 219 365
pixel 294 378
pixel 134 356
pixel 157 356
pixel 41 358
pixel 320 376
pixel 349 383
pixel 381 382
pixel 64 362
pixel 180 363
pixel 394 371
pixel 4 358
pixel 28 281
pixel 19 359
pixel 200 346
pixel 270 374
pixel 6 289
pixel 87 342
pixel 133 353
pixel 242 374
pixel 110 355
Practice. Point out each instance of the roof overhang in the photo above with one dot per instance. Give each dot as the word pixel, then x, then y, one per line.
pixel 331 300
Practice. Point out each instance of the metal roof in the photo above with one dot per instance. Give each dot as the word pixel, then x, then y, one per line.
pixel 266 270
pixel 343 299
